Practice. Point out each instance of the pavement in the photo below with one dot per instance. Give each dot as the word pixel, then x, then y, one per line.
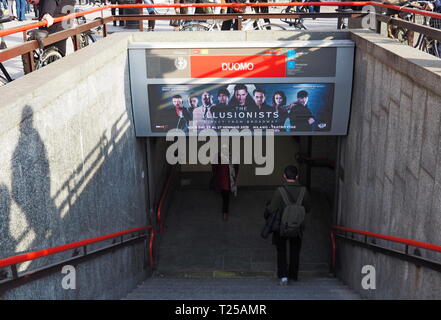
pixel 15 67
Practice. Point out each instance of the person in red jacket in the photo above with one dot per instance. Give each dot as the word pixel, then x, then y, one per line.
pixel 225 181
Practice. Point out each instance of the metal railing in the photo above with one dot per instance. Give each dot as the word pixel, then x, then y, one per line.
pixel 27 47
pixel 16 279
pixel 369 240
pixel 164 194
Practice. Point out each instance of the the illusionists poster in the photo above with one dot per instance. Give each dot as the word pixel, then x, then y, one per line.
pixel 283 107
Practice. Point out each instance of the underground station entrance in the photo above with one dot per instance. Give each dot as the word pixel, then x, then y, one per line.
pixel 259 106
pixel 130 156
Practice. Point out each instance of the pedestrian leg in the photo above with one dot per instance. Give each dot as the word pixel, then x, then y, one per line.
pixel 294 257
pixel 282 270
pixel 225 203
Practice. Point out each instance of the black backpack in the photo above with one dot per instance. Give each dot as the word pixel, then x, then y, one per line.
pixel 293 216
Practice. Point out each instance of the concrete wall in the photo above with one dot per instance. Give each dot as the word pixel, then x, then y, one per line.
pixel 72 169
pixel 391 163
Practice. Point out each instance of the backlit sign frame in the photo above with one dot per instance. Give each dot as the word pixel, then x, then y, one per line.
pixel 143 86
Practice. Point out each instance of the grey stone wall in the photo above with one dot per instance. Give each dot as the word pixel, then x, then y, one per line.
pixel 391 160
pixel 72 169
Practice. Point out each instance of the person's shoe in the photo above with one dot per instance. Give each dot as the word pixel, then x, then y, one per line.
pixel 284 281
pixel 225 216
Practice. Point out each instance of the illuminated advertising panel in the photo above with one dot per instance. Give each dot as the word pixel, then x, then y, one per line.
pixel 294 88
pixel 283 107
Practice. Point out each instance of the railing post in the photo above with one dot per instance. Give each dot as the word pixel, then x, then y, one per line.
pixel 76 42
pixel 141 22
pixel 28 61
pixel 14 271
pixel 104 30
pixel 377 25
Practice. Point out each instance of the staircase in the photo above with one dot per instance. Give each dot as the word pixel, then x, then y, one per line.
pixel 249 288
pixel 203 257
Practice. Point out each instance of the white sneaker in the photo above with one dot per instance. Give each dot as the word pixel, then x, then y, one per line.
pixel 284 281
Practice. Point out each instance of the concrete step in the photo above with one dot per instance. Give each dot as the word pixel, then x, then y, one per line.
pixel 240 288
pixel 201 273
pixel 196 238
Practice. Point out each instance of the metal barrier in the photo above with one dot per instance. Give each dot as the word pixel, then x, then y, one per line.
pixel 16 280
pixel 27 48
pixel 369 242
pixel 159 211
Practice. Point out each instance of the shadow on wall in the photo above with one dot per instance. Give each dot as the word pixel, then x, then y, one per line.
pixel 31 183
pixel 7 241
pixel 51 218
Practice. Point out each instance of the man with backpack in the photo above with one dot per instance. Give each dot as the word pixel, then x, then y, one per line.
pixel 286 214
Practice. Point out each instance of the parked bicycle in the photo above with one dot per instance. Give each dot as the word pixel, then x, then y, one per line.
pixel 4 77
pixel 297 23
pixel 427 44
pixel 401 34
pixel 423 43
pixel 86 36
pixel 247 25
pixel 43 55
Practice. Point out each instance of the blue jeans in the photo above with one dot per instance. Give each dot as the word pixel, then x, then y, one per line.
pixel 149 10
pixel 21 9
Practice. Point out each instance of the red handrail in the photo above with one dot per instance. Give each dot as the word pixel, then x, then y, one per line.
pixel 413 243
pixel 10 31
pixel 333 248
pixel 46 252
pixel 161 201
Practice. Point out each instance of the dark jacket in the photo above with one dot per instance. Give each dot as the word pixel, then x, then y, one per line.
pixel 276 205
pixel 299 116
pixel 436 23
pixel 183 122
pixel 55 9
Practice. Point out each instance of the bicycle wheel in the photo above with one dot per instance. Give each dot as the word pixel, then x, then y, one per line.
pixel 401 34
pixel 99 28
pixel 91 37
pixel 167 10
pixel 270 26
pixel 432 47
pixel 83 40
pixel 50 55
pixel 3 81
pixel 194 27
pixel 288 10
